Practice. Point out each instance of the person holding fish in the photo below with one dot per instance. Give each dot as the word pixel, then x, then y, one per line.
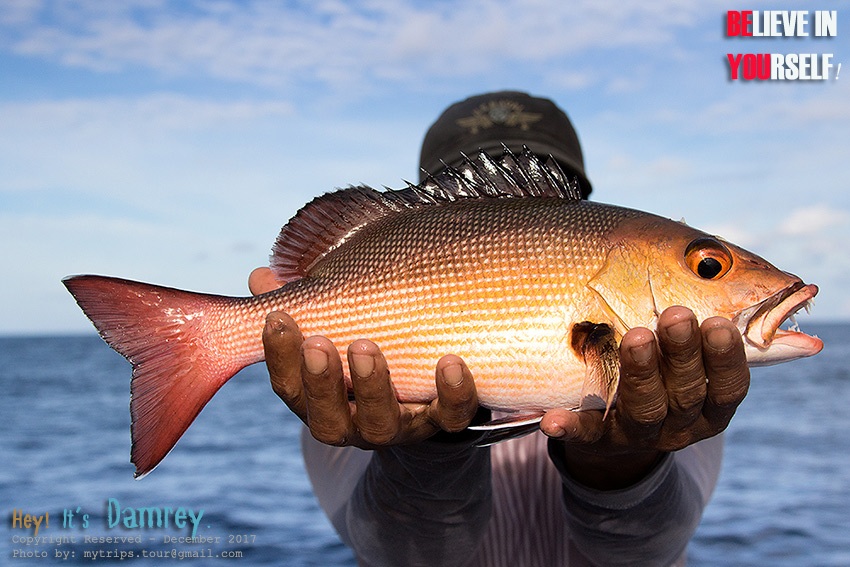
pixel 625 484
pixel 551 401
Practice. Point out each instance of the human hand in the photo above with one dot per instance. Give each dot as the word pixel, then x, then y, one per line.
pixel 308 376
pixel 674 391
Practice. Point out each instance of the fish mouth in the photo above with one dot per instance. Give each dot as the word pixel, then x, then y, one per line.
pixel 765 341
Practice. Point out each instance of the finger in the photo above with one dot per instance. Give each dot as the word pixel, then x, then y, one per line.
pixel 282 345
pixel 262 280
pixel 578 427
pixel 681 366
pixel 726 369
pixel 641 396
pixel 328 410
pixel 457 399
pixel 377 409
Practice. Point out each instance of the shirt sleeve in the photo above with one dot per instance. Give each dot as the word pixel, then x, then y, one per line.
pixel 413 505
pixel 649 523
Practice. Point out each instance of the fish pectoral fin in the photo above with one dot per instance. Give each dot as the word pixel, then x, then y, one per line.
pixel 596 343
pixel 505 428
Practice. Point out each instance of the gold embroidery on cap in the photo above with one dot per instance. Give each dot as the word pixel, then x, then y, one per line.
pixel 503 112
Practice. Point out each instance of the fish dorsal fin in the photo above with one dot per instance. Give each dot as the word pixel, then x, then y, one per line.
pixel 329 220
pixel 511 175
pixel 320 226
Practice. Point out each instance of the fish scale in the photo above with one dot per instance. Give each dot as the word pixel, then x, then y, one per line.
pixel 500 263
pixel 487 279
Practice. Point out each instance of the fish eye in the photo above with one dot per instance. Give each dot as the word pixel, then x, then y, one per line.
pixel 708 258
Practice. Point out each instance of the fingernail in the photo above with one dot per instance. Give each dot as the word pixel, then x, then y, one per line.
pixel 453 375
pixel 274 321
pixel 316 361
pixel 556 432
pixel 719 338
pixel 641 353
pixel 364 364
pixel 681 332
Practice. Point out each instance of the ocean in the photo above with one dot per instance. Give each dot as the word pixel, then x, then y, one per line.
pixel 236 478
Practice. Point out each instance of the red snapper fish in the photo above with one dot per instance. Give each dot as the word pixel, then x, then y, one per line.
pixel 498 261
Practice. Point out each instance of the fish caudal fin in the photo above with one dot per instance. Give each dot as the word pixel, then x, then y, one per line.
pixel 180 350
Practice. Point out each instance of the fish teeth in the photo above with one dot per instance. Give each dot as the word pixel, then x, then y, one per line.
pixel 808 306
pixel 794 326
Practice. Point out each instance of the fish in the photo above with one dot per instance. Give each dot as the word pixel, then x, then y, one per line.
pixel 498 260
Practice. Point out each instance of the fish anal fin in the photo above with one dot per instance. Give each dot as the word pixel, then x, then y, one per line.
pixel 505 428
pixel 596 344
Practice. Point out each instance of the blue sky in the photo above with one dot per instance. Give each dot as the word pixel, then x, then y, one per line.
pixel 169 141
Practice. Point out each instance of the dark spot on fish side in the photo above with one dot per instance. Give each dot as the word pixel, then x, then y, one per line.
pixel 586 336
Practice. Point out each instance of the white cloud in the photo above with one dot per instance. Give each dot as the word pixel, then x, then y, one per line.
pixel 808 241
pixel 814 219
pixel 156 111
pixel 339 42
pixel 736 234
pixel 174 176
pixel 151 153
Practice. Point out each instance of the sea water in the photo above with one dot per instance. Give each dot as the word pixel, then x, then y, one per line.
pixel 783 498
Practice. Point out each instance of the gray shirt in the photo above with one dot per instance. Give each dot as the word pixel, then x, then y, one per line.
pixel 512 504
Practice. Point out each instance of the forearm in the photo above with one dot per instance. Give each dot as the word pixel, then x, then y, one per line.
pixel 649 523
pixel 427 504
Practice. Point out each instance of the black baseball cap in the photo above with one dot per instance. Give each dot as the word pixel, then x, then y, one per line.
pixel 495 120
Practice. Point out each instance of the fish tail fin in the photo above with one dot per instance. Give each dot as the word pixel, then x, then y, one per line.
pixel 181 349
